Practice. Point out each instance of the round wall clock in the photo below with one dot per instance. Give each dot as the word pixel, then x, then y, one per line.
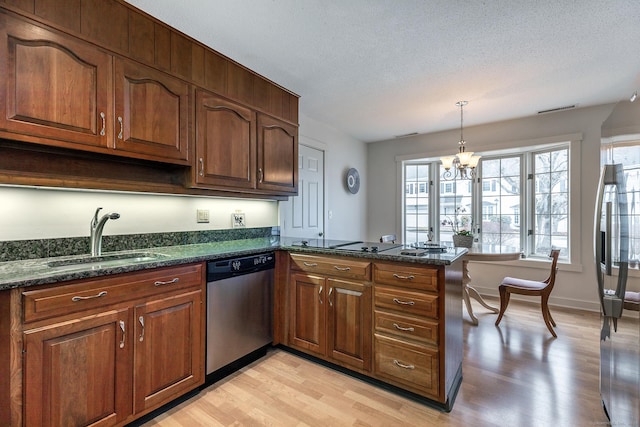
pixel 353 181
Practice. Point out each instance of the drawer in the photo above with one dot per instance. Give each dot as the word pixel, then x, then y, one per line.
pixel 83 295
pixel 423 278
pixel 406 302
pixel 413 366
pixel 340 267
pixel 406 327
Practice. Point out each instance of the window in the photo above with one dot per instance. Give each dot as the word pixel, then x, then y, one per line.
pixel 502 179
pixel 416 203
pixel 551 214
pixel 628 153
pixel 519 200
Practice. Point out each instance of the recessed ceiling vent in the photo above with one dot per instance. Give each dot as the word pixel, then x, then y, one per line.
pixel 406 135
pixel 553 110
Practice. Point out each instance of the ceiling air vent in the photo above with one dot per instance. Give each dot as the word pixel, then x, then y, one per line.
pixel 406 135
pixel 553 110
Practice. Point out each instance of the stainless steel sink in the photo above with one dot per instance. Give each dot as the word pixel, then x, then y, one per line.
pixel 104 261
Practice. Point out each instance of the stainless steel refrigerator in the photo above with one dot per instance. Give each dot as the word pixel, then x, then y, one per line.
pixel 620 333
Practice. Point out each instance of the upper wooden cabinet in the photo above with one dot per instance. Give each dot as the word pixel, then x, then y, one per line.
pixel 101 76
pixel 152 112
pixel 54 87
pixel 60 91
pixel 225 143
pixel 239 149
pixel 277 155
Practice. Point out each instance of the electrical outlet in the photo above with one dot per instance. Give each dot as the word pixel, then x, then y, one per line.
pixel 237 220
pixel 202 215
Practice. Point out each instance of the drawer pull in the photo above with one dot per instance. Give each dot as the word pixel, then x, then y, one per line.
pixel 141 320
pixel 397 301
pixel 123 333
pixel 77 298
pixel 342 268
pixel 400 328
pixel 397 276
pixel 169 282
pixel 402 365
pixel 310 264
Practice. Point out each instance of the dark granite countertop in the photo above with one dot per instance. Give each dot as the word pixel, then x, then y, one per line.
pixel 22 273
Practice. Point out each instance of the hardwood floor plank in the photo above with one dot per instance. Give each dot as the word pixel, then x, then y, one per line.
pixel 515 374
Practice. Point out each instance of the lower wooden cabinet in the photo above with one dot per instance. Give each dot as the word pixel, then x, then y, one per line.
pixel 398 323
pixel 78 372
pixel 166 360
pixel 331 318
pixel 112 363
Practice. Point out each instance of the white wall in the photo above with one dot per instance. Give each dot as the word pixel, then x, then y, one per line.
pixel 575 285
pixel 40 213
pixel 346 215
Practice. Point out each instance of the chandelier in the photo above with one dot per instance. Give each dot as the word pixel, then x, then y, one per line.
pixel 464 161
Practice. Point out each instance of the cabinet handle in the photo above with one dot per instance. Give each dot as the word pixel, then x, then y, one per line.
pixel 402 365
pixel 400 328
pixel 329 297
pixel 123 333
pixel 121 127
pixel 342 268
pixel 104 123
pixel 397 276
pixel 310 264
pixel 141 320
pixel 201 160
pixel 320 295
pixel 260 175
pixel 168 282
pixel 77 298
pixel 397 301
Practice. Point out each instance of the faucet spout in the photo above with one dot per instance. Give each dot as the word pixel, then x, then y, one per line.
pixel 96 228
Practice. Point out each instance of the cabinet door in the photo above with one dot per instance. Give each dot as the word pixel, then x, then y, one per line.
pixel 169 356
pixel 349 327
pixel 79 372
pixel 277 155
pixel 56 90
pixel 225 143
pixel 152 111
pixel 308 317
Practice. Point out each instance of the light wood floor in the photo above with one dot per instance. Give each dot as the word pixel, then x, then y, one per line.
pixel 513 375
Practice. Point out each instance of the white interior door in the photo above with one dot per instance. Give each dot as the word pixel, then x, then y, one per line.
pixel 303 215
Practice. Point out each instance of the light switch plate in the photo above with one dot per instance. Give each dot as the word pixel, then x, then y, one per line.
pixel 202 215
pixel 237 220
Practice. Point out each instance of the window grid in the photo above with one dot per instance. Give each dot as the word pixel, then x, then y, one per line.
pixel 500 200
pixel 551 212
pixel 416 202
pixel 504 210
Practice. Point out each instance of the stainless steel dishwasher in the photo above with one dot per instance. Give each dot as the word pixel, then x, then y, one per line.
pixel 239 312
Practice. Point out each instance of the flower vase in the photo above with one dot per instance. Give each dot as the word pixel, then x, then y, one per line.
pixel 462 241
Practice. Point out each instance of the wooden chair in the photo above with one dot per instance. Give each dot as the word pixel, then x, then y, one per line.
pixel 390 238
pixel 512 285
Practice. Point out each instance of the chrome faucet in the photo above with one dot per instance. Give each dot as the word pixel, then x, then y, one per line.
pixel 96 231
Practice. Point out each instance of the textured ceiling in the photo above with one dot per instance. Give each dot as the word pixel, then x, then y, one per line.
pixel 375 69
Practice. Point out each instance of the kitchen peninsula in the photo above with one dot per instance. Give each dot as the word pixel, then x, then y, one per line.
pixel 390 318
